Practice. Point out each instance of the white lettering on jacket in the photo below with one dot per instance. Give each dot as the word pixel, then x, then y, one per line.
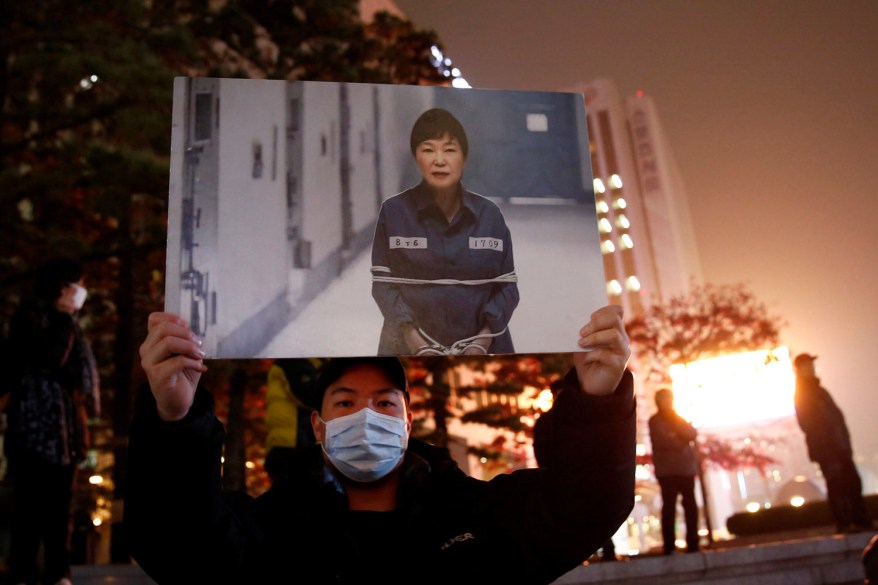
pixel 408 243
pixel 459 538
pixel 495 244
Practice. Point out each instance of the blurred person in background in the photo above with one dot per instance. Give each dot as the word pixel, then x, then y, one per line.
pixel 829 445
pixel 287 414
pixel 53 384
pixel 675 465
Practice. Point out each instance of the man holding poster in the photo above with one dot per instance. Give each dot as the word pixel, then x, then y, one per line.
pixel 372 505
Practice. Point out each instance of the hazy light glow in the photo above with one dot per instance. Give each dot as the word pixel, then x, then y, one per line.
pixel 620 203
pixel 443 64
pixel 797 501
pixel 88 82
pixel 605 226
pixel 96 480
pixel 615 181
pixel 753 507
pixel 599 186
pixel 544 400
pixel 602 206
pixel 623 222
pixel 607 247
pixel 614 288
pixel 632 283
pixel 735 389
pixel 626 242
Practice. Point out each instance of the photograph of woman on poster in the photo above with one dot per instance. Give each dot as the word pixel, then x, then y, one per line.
pixel 443 273
pixel 309 195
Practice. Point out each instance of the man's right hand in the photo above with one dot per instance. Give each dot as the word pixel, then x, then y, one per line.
pixel 173 360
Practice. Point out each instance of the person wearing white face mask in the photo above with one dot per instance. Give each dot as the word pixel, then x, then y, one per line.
pixel 54 389
pixel 370 504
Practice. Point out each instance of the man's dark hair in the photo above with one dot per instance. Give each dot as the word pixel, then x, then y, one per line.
pixel 335 368
pixel 54 275
pixel 436 123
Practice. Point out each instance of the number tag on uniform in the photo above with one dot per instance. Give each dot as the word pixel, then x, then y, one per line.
pixel 408 243
pixel 486 244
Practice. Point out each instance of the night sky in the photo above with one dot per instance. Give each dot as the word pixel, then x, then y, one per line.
pixel 771 110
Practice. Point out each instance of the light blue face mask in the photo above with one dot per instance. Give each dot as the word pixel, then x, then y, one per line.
pixel 366 445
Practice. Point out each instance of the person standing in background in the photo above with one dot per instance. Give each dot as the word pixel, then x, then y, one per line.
pixel 829 445
pixel 287 412
pixel 675 467
pixel 54 390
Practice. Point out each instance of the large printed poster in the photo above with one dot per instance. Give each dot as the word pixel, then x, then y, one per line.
pixel 337 219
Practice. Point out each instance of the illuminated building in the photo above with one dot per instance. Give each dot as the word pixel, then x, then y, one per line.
pixel 647 237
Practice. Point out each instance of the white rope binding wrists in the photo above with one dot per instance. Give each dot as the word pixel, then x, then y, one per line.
pixel 461 345
pixel 456 348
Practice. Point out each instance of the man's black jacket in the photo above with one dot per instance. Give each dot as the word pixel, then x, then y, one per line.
pixel 529 526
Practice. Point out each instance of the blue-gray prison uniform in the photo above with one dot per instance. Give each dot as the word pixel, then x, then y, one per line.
pixel 413 240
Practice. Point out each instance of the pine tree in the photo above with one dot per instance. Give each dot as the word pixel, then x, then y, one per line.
pixel 85 90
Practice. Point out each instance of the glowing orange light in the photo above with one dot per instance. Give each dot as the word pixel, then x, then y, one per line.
pixel 544 401
pixel 735 389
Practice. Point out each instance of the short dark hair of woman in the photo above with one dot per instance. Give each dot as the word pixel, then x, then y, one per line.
pixel 54 275
pixel 436 123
